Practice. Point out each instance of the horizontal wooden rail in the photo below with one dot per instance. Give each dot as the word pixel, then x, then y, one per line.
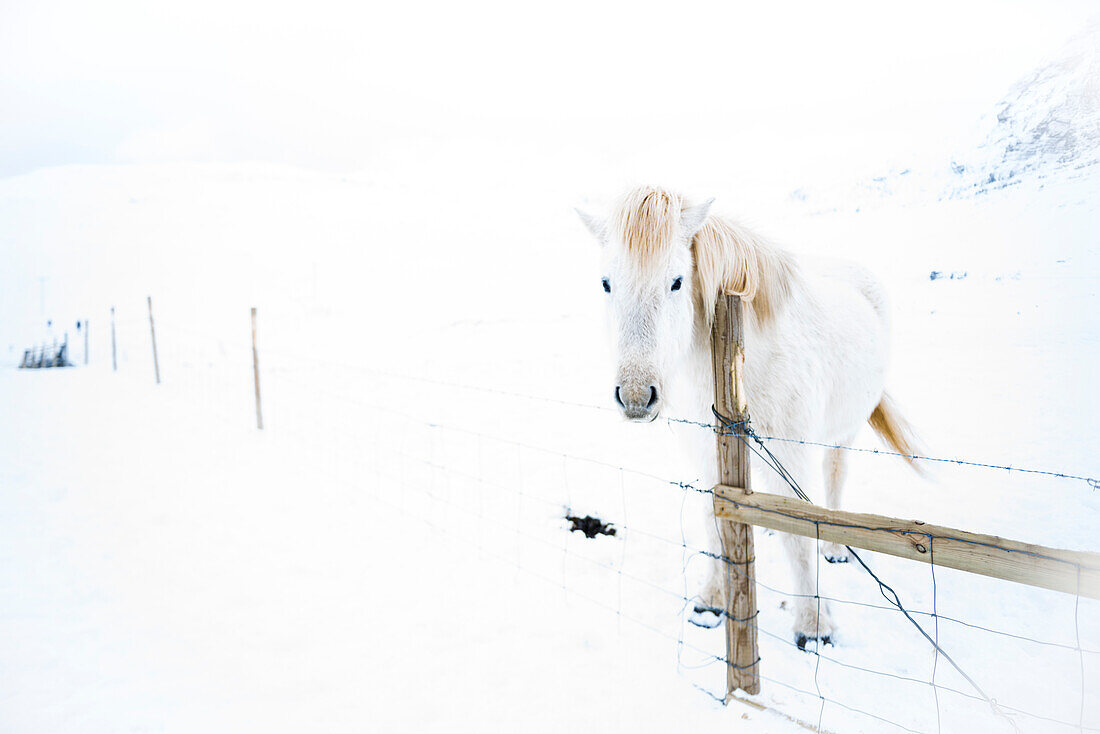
pixel 1050 568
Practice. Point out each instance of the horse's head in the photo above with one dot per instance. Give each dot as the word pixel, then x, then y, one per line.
pixel 648 278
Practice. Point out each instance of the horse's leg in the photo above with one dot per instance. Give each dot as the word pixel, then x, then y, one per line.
pixel 699 445
pixel 836 470
pixel 812 619
pixel 711 602
pixel 714 593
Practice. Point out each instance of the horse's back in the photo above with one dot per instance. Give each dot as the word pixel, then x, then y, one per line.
pixel 844 276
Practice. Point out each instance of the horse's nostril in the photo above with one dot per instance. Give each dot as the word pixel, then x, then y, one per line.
pixel 652 396
pixel 617 398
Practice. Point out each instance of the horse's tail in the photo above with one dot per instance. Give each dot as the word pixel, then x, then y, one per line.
pixel 895 431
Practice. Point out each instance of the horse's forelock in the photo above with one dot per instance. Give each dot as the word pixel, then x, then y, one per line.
pixel 646 222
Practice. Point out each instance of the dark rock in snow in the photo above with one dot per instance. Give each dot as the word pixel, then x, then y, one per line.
pixel 590 526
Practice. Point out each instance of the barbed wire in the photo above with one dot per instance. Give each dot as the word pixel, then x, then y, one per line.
pixel 1093 482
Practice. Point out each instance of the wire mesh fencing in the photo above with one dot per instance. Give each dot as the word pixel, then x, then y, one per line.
pixel 920 649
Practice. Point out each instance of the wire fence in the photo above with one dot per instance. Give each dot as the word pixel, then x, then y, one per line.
pixel 448 465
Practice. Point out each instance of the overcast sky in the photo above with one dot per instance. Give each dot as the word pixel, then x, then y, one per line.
pixel 325 84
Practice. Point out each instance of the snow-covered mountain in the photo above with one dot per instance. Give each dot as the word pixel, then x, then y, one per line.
pixel 1046 128
pixel 1047 125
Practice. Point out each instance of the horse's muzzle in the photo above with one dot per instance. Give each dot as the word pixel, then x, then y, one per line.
pixel 638 404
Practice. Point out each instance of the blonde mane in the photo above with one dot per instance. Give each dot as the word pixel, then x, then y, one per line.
pixel 728 257
pixel 732 258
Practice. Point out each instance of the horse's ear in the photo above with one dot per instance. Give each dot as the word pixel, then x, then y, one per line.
pixel 596 226
pixel 692 219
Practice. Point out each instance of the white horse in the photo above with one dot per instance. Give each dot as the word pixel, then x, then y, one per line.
pixel 816 336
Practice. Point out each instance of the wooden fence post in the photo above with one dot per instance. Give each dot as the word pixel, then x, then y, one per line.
pixel 153 334
pixel 728 354
pixel 256 373
pixel 114 352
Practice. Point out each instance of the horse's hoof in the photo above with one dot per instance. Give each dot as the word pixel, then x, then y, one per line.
pixel 801 640
pixel 835 553
pixel 706 617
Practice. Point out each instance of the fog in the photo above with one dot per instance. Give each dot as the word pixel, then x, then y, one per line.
pixel 332 85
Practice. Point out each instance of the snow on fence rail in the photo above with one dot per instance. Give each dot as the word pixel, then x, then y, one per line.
pixel 737 509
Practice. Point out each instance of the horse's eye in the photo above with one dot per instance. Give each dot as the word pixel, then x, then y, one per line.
pixel 677 283
pixel 606 285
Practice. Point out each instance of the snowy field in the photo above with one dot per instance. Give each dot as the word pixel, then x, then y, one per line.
pixel 389 553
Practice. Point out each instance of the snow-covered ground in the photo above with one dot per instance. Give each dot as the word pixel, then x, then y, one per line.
pixel 390 554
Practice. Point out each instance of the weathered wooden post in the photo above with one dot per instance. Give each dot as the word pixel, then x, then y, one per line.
pixel 153 334
pixel 256 373
pixel 114 353
pixel 728 354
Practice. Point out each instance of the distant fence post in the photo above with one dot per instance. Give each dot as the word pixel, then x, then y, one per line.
pixel 256 373
pixel 114 352
pixel 153 334
pixel 728 355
